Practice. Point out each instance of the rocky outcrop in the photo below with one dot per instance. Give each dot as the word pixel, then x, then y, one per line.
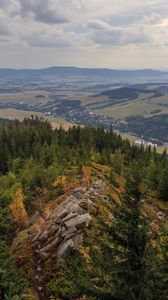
pixel 62 226
pixel 58 229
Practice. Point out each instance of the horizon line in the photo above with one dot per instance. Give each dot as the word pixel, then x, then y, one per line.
pixel 80 67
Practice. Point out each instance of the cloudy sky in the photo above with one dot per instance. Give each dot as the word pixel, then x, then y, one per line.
pixel 86 33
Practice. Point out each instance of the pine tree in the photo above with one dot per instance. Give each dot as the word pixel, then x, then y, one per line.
pixel 129 231
pixel 12 280
pixel 152 175
pixel 163 185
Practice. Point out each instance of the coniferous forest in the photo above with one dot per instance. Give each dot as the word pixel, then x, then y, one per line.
pixel 124 254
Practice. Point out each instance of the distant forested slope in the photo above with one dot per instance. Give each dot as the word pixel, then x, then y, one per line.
pixel 152 127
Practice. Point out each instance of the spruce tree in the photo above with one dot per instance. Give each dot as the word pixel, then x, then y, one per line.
pixel 163 185
pixel 129 232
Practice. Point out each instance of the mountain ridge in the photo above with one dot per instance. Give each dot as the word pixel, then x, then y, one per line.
pixel 40 74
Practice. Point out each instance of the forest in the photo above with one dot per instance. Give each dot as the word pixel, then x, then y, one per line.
pixel 125 258
pixel 152 127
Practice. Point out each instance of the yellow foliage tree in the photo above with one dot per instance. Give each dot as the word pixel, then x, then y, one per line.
pixel 60 181
pixel 17 207
pixel 86 175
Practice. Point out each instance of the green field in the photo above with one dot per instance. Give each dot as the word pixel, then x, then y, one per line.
pixel 137 109
pixel 30 97
pixel 13 114
pixel 144 107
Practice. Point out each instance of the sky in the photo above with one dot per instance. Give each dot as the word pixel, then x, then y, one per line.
pixel 116 34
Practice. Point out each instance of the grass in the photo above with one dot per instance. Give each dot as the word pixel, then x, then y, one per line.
pixel 103 168
pixel 160 205
pixel 57 122
pixel 144 108
pixel 90 100
pixel 143 105
pixel 13 114
pixel 161 100
pixel 26 97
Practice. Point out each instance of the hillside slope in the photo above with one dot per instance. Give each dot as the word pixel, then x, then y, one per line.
pixel 68 241
pixel 83 215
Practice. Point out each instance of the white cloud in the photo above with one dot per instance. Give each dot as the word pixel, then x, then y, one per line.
pixel 105 34
pixel 98 28
pixel 98 25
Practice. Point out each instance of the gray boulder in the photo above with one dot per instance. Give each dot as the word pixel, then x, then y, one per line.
pixel 62 214
pixel 64 250
pixel 43 255
pixel 50 246
pixel 77 209
pixel 78 241
pixel 79 222
pixel 78 190
pixel 69 217
pixel 78 196
pixel 43 237
pixel 69 231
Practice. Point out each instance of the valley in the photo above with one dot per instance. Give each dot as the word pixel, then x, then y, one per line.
pixel 83 150
pixel 134 106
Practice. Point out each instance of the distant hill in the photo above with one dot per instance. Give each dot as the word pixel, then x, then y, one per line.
pixel 123 93
pixel 48 74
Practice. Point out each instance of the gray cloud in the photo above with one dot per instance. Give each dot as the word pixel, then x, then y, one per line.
pixel 44 41
pixel 9 7
pixel 94 27
pixel 43 11
pixel 4 25
pixel 5 3
pixel 152 19
pixel 105 34
pixel 98 25
pixel 4 30
pixel 113 36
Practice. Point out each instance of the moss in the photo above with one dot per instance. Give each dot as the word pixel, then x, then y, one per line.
pixel 23 252
pixel 30 295
pixel 72 281
pixel 160 204
pixel 102 168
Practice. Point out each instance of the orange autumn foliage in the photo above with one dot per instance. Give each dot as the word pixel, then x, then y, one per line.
pixel 155 227
pixel 86 175
pixel 85 252
pixel 17 207
pixel 69 183
pixel 67 186
pixel 70 186
pixel 60 181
